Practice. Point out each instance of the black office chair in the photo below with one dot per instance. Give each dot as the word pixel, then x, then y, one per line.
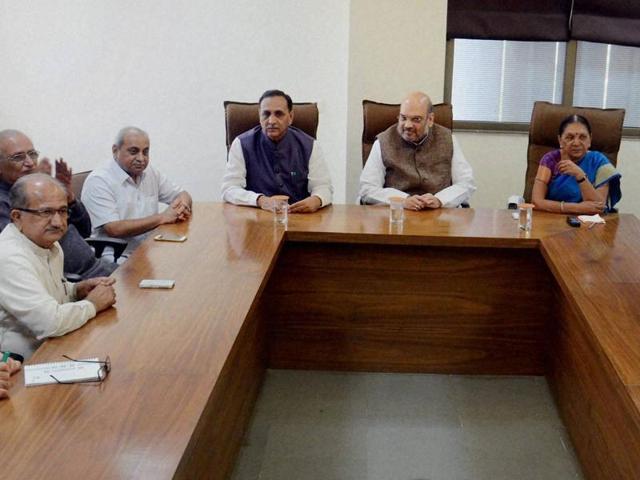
pixel 99 246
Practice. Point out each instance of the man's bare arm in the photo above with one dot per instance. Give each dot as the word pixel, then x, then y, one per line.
pixel 137 226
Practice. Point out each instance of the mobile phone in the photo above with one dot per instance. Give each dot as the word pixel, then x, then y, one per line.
pixel 573 221
pixel 169 238
pixel 156 283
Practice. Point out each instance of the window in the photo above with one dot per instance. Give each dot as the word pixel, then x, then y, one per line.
pixel 608 76
pixel 498 81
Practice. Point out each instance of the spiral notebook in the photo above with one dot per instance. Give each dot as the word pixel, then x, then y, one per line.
pixel 40 373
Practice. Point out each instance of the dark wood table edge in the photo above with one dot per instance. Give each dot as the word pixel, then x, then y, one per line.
pixel 414 240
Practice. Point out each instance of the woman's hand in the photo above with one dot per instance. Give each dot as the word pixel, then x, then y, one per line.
pixel 568 167
pixel 590 207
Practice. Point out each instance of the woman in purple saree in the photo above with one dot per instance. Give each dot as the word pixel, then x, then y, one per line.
pixel 574 179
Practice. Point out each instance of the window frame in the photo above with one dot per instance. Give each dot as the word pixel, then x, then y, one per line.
pixel 518 127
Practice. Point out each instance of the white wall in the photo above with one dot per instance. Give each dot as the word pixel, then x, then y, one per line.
pixel 394 48
pixel 629 167
pixel 75 71
pixel 499 162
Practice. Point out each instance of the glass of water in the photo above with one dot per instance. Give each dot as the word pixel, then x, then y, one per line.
pixel 525 216
pixel 280 209
pixel 396 210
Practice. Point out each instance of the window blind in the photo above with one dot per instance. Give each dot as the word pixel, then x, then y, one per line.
pixel 607 77
pixel 498 80
pixel 607 21
pixel 543 20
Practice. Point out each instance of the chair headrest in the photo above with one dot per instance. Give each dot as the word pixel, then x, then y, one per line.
pixel 240 117
pixel 606 125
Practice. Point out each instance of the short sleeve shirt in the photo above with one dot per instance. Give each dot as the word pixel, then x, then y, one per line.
pixel 110 194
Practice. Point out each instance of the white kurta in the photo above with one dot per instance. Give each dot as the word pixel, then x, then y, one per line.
pixel 36 301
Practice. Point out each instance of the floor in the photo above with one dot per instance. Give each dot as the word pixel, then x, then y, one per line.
pixel 376 426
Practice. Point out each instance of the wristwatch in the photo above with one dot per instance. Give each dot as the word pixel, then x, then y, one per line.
pixel 582 179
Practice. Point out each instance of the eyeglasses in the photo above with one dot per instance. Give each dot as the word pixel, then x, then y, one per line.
pixel 47 212
pixel 20 157
pixel 101 375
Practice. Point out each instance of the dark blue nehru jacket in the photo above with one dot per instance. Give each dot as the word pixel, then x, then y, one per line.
pixel 277 168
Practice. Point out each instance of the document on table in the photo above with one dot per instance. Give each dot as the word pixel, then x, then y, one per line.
pixel 591 218
pixel 40 373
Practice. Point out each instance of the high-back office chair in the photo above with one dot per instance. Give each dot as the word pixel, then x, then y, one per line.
pixel 77 182
pixel 606 127
pixel 380 116
pixel 377 117
pixel 240 117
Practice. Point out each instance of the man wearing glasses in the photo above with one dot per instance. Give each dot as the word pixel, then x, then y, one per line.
pixel 36 301
pixel 19 158
pixel 417 160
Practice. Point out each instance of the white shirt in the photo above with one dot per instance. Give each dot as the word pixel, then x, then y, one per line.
pixel 36 301
pixel 110 194
pixel 234 182
pixel 372 188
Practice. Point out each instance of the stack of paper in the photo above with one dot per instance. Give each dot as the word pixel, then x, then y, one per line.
pixel 591 218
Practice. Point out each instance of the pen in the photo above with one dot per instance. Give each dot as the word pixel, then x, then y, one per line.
pixel 5 356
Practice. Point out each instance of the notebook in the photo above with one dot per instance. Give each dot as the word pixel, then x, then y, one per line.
pixel 40 373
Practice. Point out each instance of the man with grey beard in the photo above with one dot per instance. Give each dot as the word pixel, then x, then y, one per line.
pixel 417 160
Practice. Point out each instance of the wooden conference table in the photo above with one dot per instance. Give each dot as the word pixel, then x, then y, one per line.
pixel 455 291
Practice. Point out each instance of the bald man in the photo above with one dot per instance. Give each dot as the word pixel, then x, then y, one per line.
pixel 417 160
pixel 18 158
pixel 36 302
pixel 122 197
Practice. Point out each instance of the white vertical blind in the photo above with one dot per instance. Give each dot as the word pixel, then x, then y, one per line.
pixel 589 85
pixel 477 72
pixel 608 76
pixel 534 71
pixel 498 80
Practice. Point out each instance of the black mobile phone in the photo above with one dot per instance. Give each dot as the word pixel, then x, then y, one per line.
pixel 573 221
